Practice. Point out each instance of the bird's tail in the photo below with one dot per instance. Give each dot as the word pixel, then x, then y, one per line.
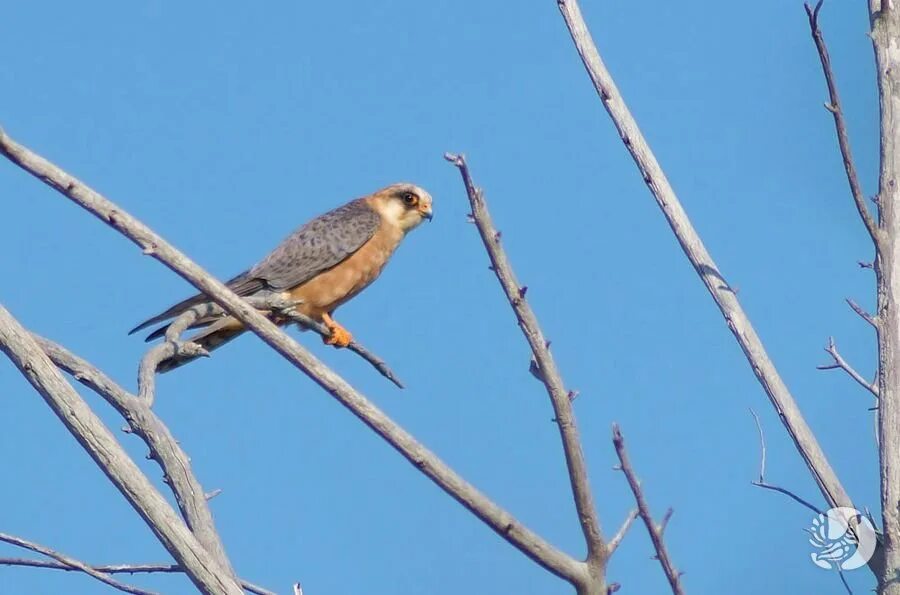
pixel 211 337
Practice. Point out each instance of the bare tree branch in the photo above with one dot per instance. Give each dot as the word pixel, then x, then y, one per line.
pixel 840 125
pixel 73 563
pixel 862 313
pixel 118 569
pixel 655 531
pixel 204 570
pixel 841 364
pixel 547 371
pixel 762 447
pixel 154 357
pixel 164 449
pixel 620 534
pixel 762 483
pixel 305 322
pixel 503 523
pixel 885 36
pixel 706 268
pixel 281 310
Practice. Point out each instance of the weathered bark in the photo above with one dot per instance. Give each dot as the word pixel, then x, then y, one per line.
pixel 206 573
pixel 885 38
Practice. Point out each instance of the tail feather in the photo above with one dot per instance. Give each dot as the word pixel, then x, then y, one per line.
pixel 210 338
pixel 161 331
pixel 242 285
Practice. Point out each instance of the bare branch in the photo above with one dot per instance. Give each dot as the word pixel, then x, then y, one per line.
pixel 547 371
pixel 845 583
pixel 841 363
pixel 840 125
pixel 762 483
pixel 620 534
pixel 209 576
pixel 803 502
pixel 762 447
pixel 872 320
pixel 706 268
pixel 305 322
pixel 118 569
pixel 164 448
pixel 73 563
pixel 655 531
pixel 283 310
pixel 502 522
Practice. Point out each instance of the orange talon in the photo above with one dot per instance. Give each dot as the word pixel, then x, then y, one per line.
pixel 339 337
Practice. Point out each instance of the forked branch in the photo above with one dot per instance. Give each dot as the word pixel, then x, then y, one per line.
pixel 55 564
pixel 206 572
pixel 655 531
pixel 703 264
pixel 547 371
pixel 762 483
pixel 502 522
pixel 839 363
pixel 837 111
pixel 73 564
pixel 164 448
pixel 174 345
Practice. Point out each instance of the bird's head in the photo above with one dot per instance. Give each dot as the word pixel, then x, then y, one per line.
pixel 404 205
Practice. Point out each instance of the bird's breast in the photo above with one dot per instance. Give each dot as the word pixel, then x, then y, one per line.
pixel 329 289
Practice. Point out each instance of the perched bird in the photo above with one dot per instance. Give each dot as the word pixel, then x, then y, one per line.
pixel 319 266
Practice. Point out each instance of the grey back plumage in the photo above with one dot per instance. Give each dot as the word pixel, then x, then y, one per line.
pixel 318 246
pixel 314 248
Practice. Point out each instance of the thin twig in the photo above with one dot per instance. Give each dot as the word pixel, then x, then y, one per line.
pixel 620 534
pixel 655 531
pixel 762 447
pixel 548 373
pixel 205 571
pixel 762 483
pixel 841 364
pixel 74 564
pixel 499 520
pixel 844 581
pixel 119 569
pixel 840 125
pixel 355 346
pixel 164 448
pixel 872 320
pixel 706 268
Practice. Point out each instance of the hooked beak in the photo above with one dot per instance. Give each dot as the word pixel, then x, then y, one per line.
pixel 426 213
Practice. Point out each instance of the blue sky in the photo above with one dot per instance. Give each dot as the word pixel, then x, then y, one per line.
pixel 224 125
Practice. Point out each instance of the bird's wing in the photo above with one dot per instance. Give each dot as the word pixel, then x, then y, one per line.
pixel 316 247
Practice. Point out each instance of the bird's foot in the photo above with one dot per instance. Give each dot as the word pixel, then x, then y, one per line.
pixel 339 337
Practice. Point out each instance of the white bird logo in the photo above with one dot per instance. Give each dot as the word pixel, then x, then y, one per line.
pixel 839 547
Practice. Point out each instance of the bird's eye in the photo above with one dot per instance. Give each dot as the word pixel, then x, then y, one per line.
pixel 410 199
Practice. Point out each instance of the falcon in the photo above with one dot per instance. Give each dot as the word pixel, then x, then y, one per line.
pixel 319 267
